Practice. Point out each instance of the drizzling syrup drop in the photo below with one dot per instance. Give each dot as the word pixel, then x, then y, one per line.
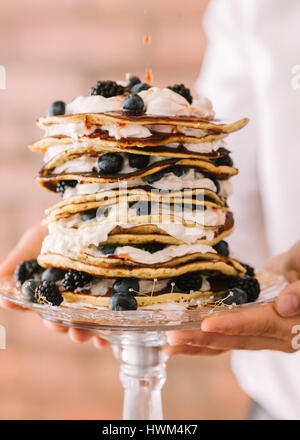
pixel 147 39
pixel 148 76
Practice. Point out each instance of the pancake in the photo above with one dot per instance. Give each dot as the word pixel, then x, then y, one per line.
pixel 161 219
pixel 92 266
pixel 95 119
pixel 97 142
pixel 76 204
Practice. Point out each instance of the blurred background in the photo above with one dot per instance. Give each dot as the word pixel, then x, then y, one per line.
pixel 55 50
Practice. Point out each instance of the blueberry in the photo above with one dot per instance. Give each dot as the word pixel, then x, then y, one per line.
pixel 237 296
pixel 222 248
pixel 141 208
pixel 139 87
pixel 151 247
pixel 225 160
pixel 28 289
pixel 122 302
pixel 26 270
pixel 53 274
pixel 110 163
pixel 88 215
pixel 123 286
pixel 56 108
pixel 138 160
pixel 133 80
pixel 151 178
pixel 108 248
pixel 133 105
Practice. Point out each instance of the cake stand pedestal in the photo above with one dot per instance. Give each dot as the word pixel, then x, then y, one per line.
pixel 142 372
pixel 138 338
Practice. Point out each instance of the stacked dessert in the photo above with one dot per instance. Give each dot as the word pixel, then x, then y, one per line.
pixel 144 177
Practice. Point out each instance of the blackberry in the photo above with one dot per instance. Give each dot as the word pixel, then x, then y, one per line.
pixel 74 279
pixel 249 284
pixel 108 248
pixel 64 184
pixel 183 91
pixel 188 281
pixel 26 270
pixel 151 247
pixel 249 269
pixel 48 290
pixel 107 89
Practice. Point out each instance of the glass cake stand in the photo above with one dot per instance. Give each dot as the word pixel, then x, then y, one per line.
pixel 138 338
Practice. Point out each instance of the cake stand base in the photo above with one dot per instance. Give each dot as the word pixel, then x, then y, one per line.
pixel 142 371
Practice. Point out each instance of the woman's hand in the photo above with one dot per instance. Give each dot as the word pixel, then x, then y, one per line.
pixel 27 248
pixel 256 328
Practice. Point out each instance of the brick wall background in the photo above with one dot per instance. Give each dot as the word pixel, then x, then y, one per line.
pixel 56 50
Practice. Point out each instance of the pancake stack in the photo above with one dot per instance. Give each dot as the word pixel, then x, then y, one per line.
pixel 143 173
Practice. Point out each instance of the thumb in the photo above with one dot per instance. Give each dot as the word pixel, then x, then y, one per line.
pixel 288 302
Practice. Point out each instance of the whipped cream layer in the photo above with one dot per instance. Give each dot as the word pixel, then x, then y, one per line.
pixel 100 287
pixel 118 131
pixel 72 243
pixel 202 147
pixel 192 179
pixel 166 254
pixel 158 102
pixel 87 163
pixel 172 215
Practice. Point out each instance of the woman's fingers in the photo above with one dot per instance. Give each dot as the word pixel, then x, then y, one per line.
pixel 100 343
pixel 288 302
pixel 6 304
pixel 27 248
pixel 254 321
pixel 80 335
pixel 188 349
pixel 216 341
pixel 55 326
